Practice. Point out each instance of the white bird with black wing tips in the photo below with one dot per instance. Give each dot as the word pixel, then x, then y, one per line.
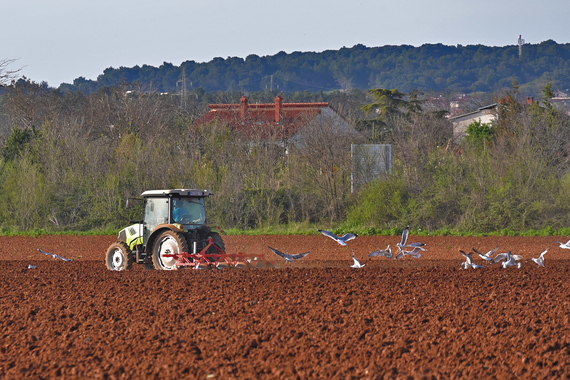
pixel 54 255
pixel 339 239
pixel 540 259
pixel 415 253
pixel 468 259
pixel 563 245
pixel 404 242
pixel 487 256
pixel 382 252
pixel 509 259
pixel 287 256
pixel 357 263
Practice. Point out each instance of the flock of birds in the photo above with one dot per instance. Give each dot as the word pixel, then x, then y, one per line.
pixel 404 248
pixel 507 259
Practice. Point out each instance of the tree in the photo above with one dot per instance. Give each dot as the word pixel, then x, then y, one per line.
pixel 6 75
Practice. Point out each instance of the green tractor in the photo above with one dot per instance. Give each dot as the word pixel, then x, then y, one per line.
pixel 173 233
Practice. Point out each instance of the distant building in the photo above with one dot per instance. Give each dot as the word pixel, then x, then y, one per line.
pixel 460 123
pixel 276 122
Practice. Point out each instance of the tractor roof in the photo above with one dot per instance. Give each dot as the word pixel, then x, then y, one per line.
pixel 177 192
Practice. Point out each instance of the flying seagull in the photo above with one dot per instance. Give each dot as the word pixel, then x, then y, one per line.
pixel 340 240
pixel 540 259
pixel 54 255
pixel 563 245
pixel 486 256
pixel 404 242
pixel 414 253
pixel 356 262
pixel 405 234
pixel 468 259
pixel 287 256
pixel 509 259
pixel 382 252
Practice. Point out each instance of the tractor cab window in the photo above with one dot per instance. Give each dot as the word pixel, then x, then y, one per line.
pixel 156 212
pixel 188 211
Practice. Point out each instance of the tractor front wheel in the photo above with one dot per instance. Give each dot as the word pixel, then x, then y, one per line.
pixel 119 256
pixel 167 244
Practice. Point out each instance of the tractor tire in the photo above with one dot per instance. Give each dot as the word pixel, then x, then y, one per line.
pixel 119 257
pixel 171 243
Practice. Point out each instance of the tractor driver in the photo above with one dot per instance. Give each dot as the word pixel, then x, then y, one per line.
pixel 180 214
pixel 187 211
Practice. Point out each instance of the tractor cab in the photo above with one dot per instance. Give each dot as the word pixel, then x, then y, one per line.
pixel 185 209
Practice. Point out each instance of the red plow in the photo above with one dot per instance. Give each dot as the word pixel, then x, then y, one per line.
pixel 219 259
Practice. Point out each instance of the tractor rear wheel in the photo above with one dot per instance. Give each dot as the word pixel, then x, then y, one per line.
pixel 119 256
pixel 168 243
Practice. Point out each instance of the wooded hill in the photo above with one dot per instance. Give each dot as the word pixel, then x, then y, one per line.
pixel 429 68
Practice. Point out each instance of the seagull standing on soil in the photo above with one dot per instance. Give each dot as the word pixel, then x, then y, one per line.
pixel 287 256
pixel 357 263
pixel 382 252
pixel 563 245
pixel 509 259
pixel 54 255
pixel 487 256
pixel 340 240
pixel 540 259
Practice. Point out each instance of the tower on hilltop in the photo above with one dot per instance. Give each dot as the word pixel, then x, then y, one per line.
pixel 520 43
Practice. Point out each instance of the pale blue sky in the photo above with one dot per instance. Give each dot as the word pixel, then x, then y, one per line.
pixel 59 40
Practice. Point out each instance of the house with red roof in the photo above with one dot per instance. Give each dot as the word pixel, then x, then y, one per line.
pixel 277 121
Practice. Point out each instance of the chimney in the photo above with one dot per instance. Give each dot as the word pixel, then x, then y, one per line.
pixel 278 106
pixel 243 107
pixel 530 100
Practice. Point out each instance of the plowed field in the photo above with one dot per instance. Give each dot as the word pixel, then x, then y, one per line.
pixel 316 318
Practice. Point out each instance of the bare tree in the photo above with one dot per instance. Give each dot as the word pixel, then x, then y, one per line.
pixel 6 74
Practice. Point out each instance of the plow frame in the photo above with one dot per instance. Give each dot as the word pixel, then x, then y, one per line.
pixel 219 260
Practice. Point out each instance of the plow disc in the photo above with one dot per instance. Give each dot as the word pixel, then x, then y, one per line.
pixel 219 259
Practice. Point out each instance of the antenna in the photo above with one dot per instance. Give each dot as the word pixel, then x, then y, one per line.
pixel 520 43
pixel 184 88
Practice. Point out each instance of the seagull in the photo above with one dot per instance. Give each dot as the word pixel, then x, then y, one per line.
pixel 405 233
pixel 563 245
pixel 403 243
pixel 382 252
pixel 54 255
pixel 540 259
pixel 356 262
pixel 414 253
pixel 486 256
pixel 287 256
pixel 468 259
pixel 32 266
pixel 510 259
pixel 340 240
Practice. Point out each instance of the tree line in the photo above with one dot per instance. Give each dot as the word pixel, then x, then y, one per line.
pixel 69 160
pixel 428 68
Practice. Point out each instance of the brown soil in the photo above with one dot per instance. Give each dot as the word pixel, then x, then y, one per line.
pixel 315 318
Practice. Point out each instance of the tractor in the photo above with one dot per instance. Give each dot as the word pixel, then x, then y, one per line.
pixel 172 234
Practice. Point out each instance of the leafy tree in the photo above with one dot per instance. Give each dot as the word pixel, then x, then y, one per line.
pixel 17 143
pixel 480 134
